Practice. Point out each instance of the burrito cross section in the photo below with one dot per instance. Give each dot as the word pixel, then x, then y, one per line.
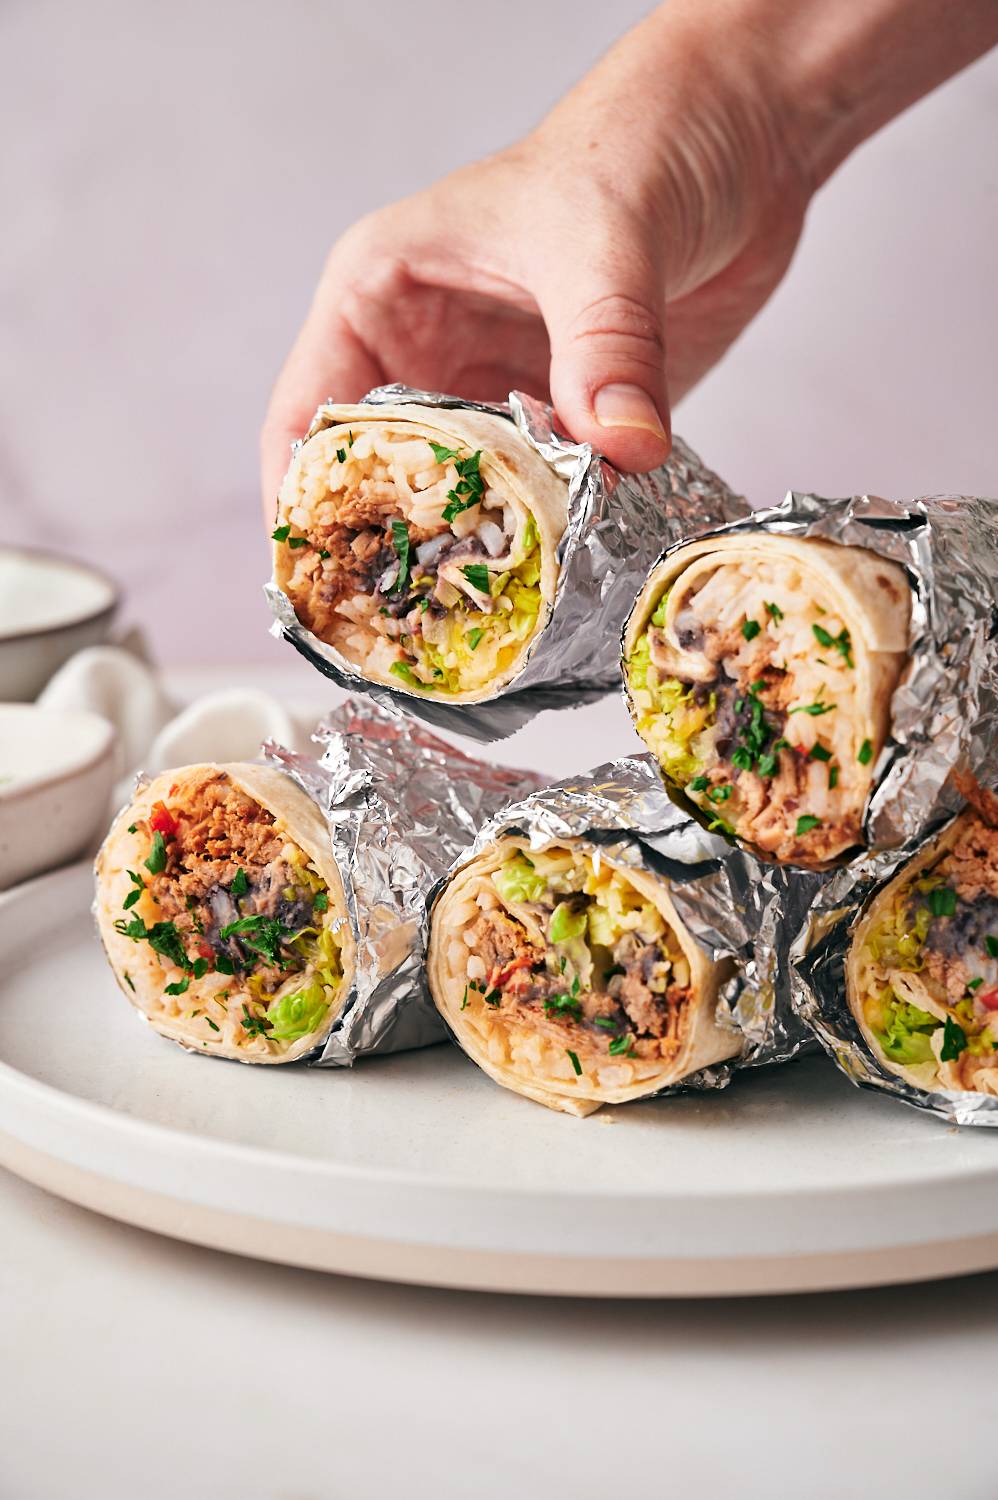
pixel 570 978
pixel 760 671
pixel 420 544
pixel 222 912
pixel 922 969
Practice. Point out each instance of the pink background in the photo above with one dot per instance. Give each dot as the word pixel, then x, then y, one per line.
pixel 173 176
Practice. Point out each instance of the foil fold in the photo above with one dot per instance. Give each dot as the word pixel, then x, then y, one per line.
pixel 733 905
pixel 617 526
pixel 399 804
pixel 817 971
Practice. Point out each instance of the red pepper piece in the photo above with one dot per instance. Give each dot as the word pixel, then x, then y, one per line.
pixel 162 821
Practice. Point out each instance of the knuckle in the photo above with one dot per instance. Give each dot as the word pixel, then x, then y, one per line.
pixel 624 323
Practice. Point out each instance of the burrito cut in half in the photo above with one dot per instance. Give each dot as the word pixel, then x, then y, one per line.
pixel 759 671
pixel 421 544
pixel 222 912
pixel 571 979
pixel 922 969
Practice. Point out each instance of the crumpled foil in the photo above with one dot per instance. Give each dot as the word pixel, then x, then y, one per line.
pixel 733 906
pixel 400 804
pixel 818 988
pixel 944 712
pixel 617 526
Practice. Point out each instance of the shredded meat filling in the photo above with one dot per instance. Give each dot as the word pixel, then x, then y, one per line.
pixel 638 1000
pixel 220 832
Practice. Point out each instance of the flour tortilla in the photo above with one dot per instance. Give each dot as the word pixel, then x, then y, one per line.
pixel 296 815
pixel 863 973
pixel 508 464
pixel 705 1042
pixel 871 594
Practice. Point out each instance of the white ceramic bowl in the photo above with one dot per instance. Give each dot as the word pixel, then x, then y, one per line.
pixel 50 607
pixel 56 774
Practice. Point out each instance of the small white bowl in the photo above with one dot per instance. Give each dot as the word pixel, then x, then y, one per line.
pixel 56 774
pixel 50 607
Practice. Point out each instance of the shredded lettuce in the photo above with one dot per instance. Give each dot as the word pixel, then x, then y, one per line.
pixel 517 880
pixel 294 1016
pixel 658 617
pixel 566 924
pixel 670 720
pixel 898 939
pixel 902 1030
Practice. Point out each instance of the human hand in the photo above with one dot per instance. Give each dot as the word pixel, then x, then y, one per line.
pixel 608 261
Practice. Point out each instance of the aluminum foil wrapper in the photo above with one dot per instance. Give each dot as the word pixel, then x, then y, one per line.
pixel 818 988
pixel 944 712
pixel 617 526
pixel 734 906
pixel 400 804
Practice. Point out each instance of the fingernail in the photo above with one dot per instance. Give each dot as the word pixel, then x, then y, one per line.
pixel 627 406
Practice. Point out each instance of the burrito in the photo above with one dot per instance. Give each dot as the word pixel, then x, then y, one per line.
pixel 222 912
pixel 759 670
pixel 570 978
pixel 421 543
pixel 922 968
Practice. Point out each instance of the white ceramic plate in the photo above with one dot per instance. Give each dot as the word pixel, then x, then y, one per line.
pixel 418 1168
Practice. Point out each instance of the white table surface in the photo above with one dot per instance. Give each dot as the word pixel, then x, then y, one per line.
pixel 139 1366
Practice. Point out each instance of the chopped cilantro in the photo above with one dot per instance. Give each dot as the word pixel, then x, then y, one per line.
pixel 573 1059
pixel 991 943
pixel 474 636
pixel 156 863
pixel 840 643
pixel 212 1024
pixel 605 1022
pixel 561 1005
pixel 341 455
pixel 806 822
pixel 281 534
pixel 742 758
pixel 254 1025
pixel 321 902
pixel 775 611
pixel 297 541
pixel 865 753
pixel 324 554
pixel 464 1002
pixel 133 895
pixel 699 784
pixel 750 629
pixel 441 453
pixel 477 575
pixel 622 1045
pixel 224 964
pixel 400 541
pixel 469 488
pixel 942 901
pixel 262 936
pixel 128 980
pixel 814 709
pixel 180 988
pixel 493 998
pixel 133 828
pixel 833 777
pixel 975 984
pixel 240 885
pixel 954 1041
pixel 819 752
pixel 767 764
pixel 719 793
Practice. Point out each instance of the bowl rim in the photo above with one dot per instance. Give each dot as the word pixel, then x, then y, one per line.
pixel 65 560
pixel 42 780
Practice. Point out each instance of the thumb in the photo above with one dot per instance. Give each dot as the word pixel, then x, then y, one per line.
pixel 606 324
